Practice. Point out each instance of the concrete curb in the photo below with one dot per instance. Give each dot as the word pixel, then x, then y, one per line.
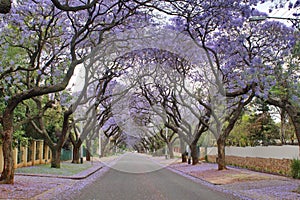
pixel 73 177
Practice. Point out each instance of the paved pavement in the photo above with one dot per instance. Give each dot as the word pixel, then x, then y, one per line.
pixel 135 177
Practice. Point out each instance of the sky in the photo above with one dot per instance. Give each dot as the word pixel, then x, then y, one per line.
pixel 282 12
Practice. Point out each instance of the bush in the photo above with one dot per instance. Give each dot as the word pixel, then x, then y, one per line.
pixel 206 158
pixel 295 168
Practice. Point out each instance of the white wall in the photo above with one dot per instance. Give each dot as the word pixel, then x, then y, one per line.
pixel 279 152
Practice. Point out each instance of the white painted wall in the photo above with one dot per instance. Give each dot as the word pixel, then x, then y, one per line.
pixel 279 152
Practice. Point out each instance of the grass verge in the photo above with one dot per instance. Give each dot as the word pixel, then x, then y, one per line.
pixel 66 169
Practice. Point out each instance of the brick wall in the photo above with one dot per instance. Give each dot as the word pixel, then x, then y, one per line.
pixel 271 165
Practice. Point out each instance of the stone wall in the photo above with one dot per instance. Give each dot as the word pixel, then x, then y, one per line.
pixel 270 165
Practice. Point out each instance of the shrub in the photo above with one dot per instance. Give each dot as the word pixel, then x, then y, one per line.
pixel 206 158
pixel 295 168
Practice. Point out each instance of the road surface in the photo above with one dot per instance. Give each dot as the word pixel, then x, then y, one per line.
pixel 135 177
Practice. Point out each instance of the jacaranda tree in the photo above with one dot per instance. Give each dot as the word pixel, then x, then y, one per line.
pixel 53 43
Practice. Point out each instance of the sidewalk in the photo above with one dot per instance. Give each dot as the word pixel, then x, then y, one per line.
pixel 243 183
pixel 47 186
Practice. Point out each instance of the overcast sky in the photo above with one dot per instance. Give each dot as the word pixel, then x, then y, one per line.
pixel 282 12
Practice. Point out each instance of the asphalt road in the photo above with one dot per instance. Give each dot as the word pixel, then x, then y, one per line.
pixel 134 177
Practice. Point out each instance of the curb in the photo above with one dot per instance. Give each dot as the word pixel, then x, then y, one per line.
pixel 73 177
pixel 215 187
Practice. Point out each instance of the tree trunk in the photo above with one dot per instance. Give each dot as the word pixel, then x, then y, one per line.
pixel 194 154
pixel 183 157
pixel 221 153
pixel 76 154
pixel 296 123
pixel 103 153
pixel 88 155
pixel 103 150
pixel 170 147
pixel 7 176
pixel 282 126
pixel 294 115
pixel 55 161
pixel 182 149
pixel 88 150
pixel 103 147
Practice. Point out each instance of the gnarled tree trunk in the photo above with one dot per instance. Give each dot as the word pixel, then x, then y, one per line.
pixel 55 161
pixel 76 154
pixel 182 149
pixel 221 153
pixel 7 176
pixel 88 150
pixel 296 122
pixel 88 155
pixel 194 154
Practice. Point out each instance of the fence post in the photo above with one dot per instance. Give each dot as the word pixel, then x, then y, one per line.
pixel 33 150
pixel 1 159
pixel 47 157
pixel 15 157
pixel 41 148
pixel 25 154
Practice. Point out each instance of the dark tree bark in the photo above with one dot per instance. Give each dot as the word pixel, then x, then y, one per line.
pixel 88 155
pixel 194 153
pixel 88 150
pixel 182 149
pixel 76 142
pixel 221 153
pixel 66 7
pixel 76 155
pixel 5 6
pixel 55 161
pixel 231 119
pixel 7 176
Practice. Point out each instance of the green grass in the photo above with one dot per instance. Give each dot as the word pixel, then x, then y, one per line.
pixel 295 168
pixel 66 169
